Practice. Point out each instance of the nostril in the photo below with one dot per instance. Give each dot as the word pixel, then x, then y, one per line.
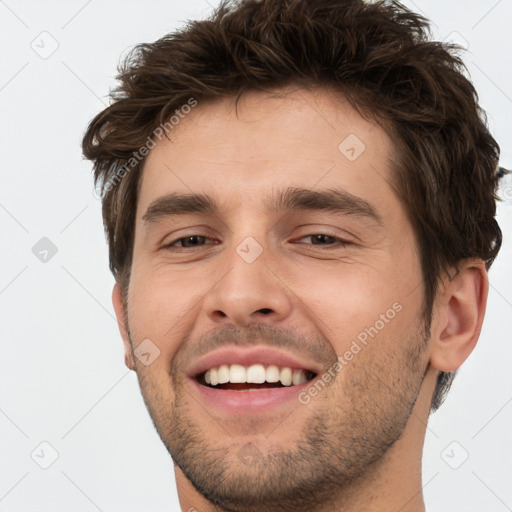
pixel 266 311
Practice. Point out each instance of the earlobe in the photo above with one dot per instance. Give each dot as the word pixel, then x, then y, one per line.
pixel 460 309
pixel 117 301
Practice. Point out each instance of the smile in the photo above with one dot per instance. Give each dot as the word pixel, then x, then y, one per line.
pixel 250 380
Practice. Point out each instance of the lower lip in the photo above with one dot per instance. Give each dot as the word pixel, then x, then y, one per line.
pixel 249 401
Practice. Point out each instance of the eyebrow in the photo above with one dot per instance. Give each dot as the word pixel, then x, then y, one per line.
pixel 291 199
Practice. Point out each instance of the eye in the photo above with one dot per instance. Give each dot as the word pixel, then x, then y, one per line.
pixel 324 239
pixel 187 242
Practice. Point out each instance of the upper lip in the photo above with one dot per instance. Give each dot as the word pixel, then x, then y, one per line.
pixel 249 356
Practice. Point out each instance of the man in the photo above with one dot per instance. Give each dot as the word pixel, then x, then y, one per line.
pixel 299 198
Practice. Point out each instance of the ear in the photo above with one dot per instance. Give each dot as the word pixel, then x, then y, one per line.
pixel 460 309
pixel 117 301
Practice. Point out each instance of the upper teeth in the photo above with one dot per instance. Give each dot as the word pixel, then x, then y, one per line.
pixel 256 374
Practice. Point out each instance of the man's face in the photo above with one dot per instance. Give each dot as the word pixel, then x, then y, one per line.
pixel 334 291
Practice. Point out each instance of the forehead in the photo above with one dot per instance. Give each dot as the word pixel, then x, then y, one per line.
pixel 308 139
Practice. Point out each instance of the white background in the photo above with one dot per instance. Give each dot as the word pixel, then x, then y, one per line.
pixel 62 373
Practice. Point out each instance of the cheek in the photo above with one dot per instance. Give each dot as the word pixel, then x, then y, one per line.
pixel 362 303
pixel 161 308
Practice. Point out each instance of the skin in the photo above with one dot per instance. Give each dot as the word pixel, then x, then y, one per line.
pixel 357 444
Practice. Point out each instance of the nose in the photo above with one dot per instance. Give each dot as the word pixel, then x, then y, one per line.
pixel 250 291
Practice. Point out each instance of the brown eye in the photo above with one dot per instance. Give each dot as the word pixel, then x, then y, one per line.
pixel 324 239
pixel 188 242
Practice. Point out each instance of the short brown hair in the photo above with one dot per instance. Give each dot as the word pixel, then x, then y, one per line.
pixel 378 55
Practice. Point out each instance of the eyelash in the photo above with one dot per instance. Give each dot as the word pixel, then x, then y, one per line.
pixel 340 242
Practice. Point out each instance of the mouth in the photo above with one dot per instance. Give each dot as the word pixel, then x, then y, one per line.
pixel 250 381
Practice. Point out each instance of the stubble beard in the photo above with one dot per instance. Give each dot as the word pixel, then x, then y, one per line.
pixel 337 448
